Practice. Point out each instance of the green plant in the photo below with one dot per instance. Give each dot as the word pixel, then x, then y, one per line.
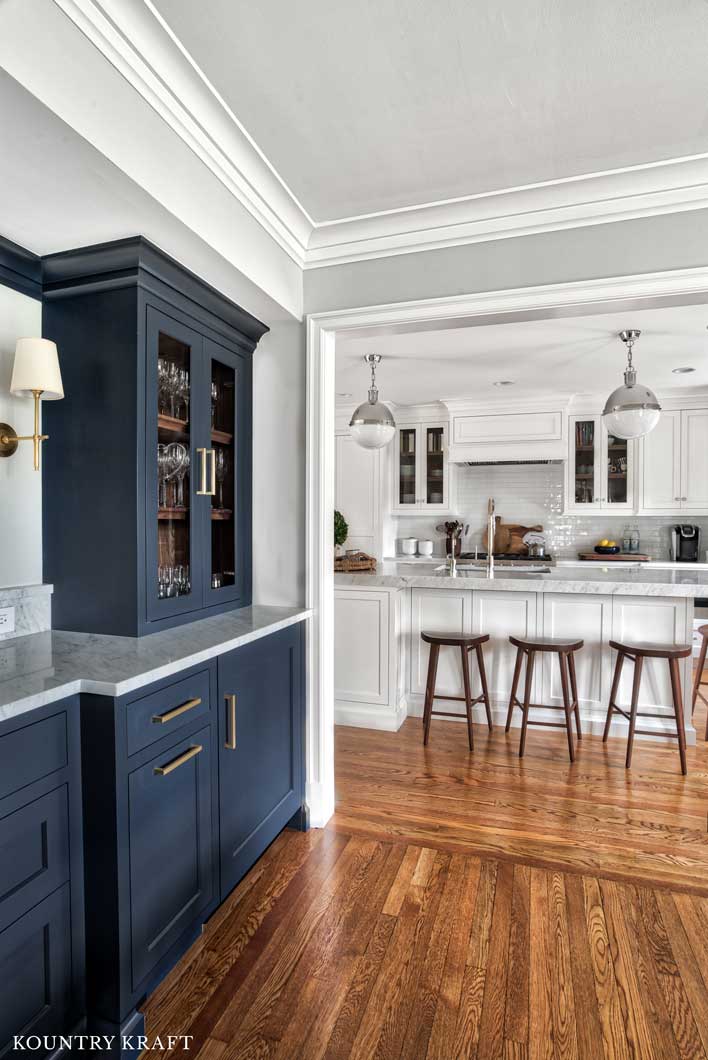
pixel 340 529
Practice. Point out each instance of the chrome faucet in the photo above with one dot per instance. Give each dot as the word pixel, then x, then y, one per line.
pixel 452 561
pixel 491 533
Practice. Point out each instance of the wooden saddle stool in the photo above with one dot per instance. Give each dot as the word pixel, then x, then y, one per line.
pixel 564 649
pixel 466 644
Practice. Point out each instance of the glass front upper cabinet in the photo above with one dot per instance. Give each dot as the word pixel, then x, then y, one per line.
pixel 225 562
pixel 407 467
pixel 584 462
pixel 601 472
pixel 421 468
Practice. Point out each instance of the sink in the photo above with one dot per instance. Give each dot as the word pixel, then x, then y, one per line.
pixel 481 568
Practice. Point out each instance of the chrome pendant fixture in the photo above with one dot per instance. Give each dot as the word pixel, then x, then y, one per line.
pixel 372 426
pixel 632 409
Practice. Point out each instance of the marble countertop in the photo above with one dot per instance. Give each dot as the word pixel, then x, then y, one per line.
pixel 597 579
pixel 45 667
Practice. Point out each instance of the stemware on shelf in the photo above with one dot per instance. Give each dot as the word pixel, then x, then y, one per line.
pixel 221 468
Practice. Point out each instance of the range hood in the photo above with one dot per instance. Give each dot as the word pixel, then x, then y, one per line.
pixel 530 435
pixel 507 463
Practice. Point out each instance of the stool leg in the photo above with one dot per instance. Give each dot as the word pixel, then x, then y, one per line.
pixel 699 672
pixel 430 690
pixel 514 687
pixel 530 656
pixel 485 689
pixel 678 711
pixel 613 694
pixel 563 662
pixel 638 666
pixel 468 694
pixel 574 690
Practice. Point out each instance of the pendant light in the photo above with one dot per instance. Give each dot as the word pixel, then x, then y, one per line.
pixel 631 410
pixel 372 426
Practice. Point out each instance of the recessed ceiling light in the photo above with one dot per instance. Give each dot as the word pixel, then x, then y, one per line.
pixel 343 395
pixel 682 371
pixel 505 382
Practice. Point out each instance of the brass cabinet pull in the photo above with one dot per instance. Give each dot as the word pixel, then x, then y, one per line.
pixel 230 742
pixel 160 719
pixel 212 454
pixel 162 771
pixel 203 492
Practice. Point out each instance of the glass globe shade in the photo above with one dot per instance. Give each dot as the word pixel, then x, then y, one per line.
pixel 372 426
pixel 631 423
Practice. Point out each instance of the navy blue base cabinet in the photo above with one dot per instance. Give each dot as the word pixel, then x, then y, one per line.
pixel 41 875
pixel 260 747
pixel 147 483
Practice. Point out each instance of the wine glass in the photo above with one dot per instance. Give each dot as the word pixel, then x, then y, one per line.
pixel 180 474
pixel 214 400
pixel 175 456
pixel 183 391
pixel 161 475
pixel 221 467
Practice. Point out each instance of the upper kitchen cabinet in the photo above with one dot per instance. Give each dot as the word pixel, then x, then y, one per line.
pixel 421 469
pixel 674 464
pixel 357 493
pixel 601 468
pixel 147 486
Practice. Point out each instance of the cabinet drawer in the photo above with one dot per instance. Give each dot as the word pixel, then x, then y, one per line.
pixel 30 753
pixel 167 710
pixel 34 853
pixel 35 972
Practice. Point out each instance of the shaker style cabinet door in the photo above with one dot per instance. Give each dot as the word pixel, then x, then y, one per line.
pixel 260 747
pixel 661 465
pixel 694 460
pixel 171 839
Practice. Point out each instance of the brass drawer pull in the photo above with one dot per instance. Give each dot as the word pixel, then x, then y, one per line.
pixel 203 492
pixel 160 719
pixel 230 742
pixel 212 454
pixel 162 771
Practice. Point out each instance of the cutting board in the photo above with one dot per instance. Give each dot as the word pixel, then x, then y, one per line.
pixel 637 557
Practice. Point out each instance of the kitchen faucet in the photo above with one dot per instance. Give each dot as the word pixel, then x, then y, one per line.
pixel 491 533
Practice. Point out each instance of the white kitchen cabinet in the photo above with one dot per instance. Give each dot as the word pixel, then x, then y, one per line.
pixel 370 653
pixel 358 493
pixel 502 615
pixel 438 609
pixel 674 464
pixel 589 618
pixel 601 468
pixel 421 473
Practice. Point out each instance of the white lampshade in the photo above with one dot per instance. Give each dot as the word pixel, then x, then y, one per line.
pixel 36 367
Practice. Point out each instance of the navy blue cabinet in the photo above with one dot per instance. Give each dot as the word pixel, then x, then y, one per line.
pixel 260 747
pixel 41 875
pixel 147 482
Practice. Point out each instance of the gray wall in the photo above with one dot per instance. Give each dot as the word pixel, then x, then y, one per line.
pixel 650 244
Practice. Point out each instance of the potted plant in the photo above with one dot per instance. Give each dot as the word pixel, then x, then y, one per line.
pixel 341 530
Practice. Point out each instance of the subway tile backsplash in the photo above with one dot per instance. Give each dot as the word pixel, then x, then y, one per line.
pixel 532 494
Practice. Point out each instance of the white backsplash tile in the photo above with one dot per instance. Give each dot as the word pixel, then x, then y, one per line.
pixel 532 494
pixel 33 609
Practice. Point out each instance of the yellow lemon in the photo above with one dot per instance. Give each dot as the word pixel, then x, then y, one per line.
pixel 612 544
pixel 604 543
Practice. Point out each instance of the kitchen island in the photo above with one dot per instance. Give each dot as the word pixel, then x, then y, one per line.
pixel 381 662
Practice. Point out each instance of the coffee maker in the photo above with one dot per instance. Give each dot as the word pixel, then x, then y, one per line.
pixel 685 543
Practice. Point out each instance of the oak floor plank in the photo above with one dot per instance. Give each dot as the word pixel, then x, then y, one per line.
pixel 586 1007
pixel 491 1031
pixel 693 981
pixel 541 1031
pixel 469 1013
pixel 610 999
pixel 562 996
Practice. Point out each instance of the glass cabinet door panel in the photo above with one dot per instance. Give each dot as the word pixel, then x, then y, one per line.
pixel 584 462
pixel 435 465
pixel 223 453
pixel 618 458
pixel 407 458
pixel 173 354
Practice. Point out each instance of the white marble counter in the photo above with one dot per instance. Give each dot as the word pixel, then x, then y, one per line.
pixel 647 580
pixel 45 667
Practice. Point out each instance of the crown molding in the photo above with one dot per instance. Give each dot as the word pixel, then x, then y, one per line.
pixel 135 39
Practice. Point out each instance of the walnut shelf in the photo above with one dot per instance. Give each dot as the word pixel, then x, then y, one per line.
pixel 178 427
pixel 217 514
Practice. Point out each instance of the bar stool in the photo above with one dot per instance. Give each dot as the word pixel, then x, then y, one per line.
pixel 703 630
pixel 466 643
pixel 638 653
pixel 564 649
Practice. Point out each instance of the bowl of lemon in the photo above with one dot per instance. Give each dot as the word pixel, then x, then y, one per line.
pixel 607 547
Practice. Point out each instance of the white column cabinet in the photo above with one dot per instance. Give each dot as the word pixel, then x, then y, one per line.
pixel 358 493
pixel 674 464
pixel 421 472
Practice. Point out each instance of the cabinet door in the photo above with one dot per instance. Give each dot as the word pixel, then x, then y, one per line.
pixel 260 747
pixel 35 971
pixel 173 555
pixel 584 470
pixel 226 404
pixel 661 465
pixel 436 609
pixel 617 464
pixel 434 479
pixel 362 646
pixel 589 618
pixel 406 469
pixel 694 459
pixel 172 845
pixel 357 492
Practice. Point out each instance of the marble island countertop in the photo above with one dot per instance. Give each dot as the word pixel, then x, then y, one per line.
pixel 596 578
pixel 44 667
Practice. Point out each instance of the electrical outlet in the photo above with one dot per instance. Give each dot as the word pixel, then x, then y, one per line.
pixel 7 620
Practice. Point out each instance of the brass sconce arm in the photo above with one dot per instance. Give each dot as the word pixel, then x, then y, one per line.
pixel 9 439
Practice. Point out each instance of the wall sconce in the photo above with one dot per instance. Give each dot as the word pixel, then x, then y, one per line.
pixel 35 372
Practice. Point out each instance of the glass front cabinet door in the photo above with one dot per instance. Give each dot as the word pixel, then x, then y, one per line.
pixel 196 469
pixel 600 468
pixel 421 468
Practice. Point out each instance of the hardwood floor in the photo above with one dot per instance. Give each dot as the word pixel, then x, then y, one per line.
pixel 465 905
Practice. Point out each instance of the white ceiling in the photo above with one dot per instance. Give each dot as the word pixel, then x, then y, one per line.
pixel 382 104
pixel 575 355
